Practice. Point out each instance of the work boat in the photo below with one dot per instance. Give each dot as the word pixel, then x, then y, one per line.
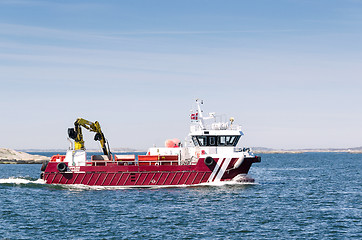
pixel 209 155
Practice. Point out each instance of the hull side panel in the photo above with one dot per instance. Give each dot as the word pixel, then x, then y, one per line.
pixel 149 175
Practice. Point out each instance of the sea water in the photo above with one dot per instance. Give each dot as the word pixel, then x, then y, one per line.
pixel 295 196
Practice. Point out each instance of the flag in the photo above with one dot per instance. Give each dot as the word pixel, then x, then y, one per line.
pixel 194 116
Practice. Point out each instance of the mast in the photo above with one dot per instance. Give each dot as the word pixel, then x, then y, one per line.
pixel 201 118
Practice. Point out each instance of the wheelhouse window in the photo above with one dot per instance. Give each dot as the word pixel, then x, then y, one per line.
pixel 222 141
pixel 194 139
pixel 215 140
pixel 202 140
pixel 212 141
pixel 230 140
pixel 234 140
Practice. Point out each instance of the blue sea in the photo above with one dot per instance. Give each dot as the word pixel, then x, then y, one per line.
pixel 295 196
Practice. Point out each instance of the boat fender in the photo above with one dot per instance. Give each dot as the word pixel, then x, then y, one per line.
pixel 41 175
pixel 44 166
pixel 238 162
pixel 62 167
pixel 209 161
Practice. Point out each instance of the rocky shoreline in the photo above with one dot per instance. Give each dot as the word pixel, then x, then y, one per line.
pixel 10 156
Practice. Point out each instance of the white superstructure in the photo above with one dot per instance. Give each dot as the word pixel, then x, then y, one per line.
pixel 209 136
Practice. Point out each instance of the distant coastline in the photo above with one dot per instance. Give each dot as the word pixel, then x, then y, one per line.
pixel 311 150
pixel 254 149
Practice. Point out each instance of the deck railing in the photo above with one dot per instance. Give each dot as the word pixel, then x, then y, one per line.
pixel 129 160
pixel 132 163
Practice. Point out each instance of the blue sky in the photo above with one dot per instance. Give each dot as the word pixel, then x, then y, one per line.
pixel 289 71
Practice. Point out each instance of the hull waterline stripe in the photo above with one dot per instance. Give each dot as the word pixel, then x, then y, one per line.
pixel 222 162
pixel 194 178
pixel 202 177
pixel 66 182
pixel 153 178
pixel 54 177
pixel 114 174
pixel 159 178
pixel 95 183
pixel 104 179
pixel 127 178
pixel 188 177
pixel 223 167
pixel 145 178
pixel 216 169
pixel 138 178
pixel 61 176
pixel 119 179
pixel 180 178
pixel 81 181
pixel 168 174
pixel 75 179
pixel 90 179
pixel 174 175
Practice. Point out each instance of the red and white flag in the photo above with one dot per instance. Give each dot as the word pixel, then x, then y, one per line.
pixel 194 116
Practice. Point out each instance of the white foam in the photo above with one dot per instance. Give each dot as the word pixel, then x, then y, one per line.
pixel 225 183
pixel 80 187
pixel 13 180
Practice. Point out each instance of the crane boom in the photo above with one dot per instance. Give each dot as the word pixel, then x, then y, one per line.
pixel 76 134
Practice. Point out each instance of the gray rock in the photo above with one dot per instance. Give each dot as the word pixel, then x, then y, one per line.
pixel 11 156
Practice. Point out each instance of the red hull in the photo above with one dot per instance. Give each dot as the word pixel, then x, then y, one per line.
pixel 113 173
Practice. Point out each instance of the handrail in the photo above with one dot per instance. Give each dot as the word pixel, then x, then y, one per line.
pixel 195 128
pixel 134 163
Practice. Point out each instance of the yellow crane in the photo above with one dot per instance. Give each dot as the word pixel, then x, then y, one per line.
pixel 76 134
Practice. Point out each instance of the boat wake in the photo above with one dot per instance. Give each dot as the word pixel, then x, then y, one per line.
pixel 234 182
pixel 21 180
pixel 81 187
pixel 32 182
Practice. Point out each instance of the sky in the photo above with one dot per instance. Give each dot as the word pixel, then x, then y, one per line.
pixel 288 71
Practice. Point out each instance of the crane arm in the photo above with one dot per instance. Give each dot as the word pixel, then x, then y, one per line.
pixel 76 134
